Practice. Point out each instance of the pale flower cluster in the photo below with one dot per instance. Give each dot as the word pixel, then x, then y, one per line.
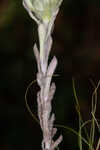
pixel 42 9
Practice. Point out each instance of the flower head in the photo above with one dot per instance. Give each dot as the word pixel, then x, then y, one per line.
pixel 42 10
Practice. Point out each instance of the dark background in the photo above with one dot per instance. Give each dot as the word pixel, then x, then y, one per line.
pixel 77 46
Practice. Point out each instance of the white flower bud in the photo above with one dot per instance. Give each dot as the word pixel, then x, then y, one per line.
pixel 42 10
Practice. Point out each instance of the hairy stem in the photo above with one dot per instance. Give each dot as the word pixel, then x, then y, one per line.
pixel 44 18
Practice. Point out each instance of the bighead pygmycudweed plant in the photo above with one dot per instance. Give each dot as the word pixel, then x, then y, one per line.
pixel 44 13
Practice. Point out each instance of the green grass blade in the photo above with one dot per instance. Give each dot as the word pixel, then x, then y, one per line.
pixel 27 106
